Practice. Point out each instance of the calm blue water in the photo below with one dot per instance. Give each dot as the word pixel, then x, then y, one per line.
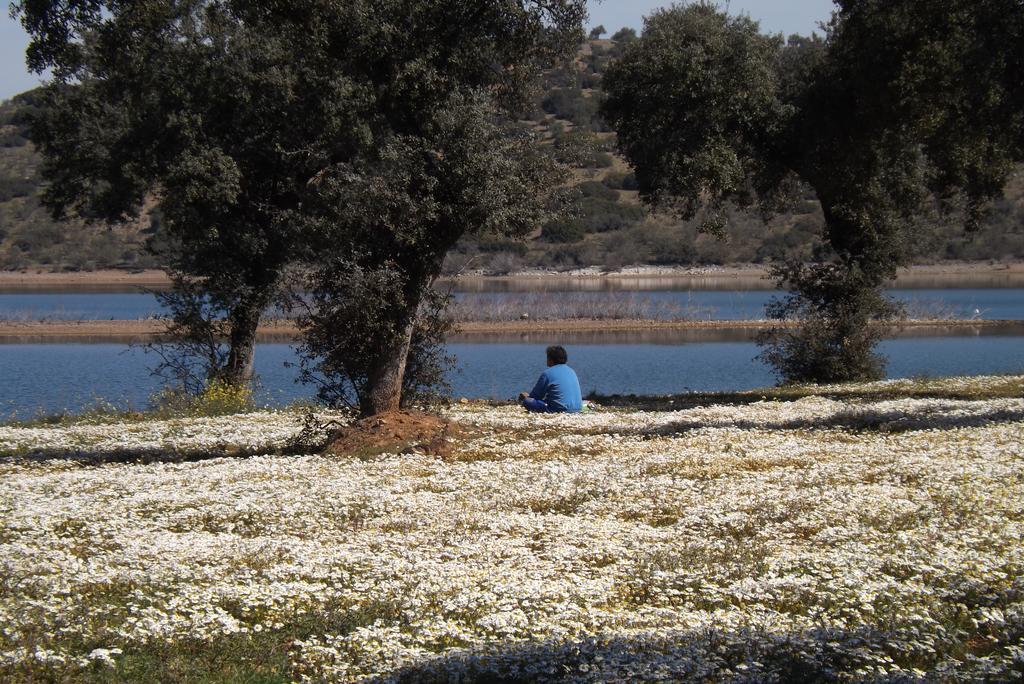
pixel 989 304
pixel 732 305
pixel 84 307
pixel 49 378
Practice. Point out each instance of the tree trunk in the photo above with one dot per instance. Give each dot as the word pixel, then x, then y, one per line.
pixel 245 319
pixel 384 384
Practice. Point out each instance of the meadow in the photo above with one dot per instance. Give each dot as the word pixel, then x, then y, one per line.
pixel 870 532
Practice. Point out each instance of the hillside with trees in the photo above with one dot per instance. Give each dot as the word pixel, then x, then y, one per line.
pixel 606 224
pixel 30 237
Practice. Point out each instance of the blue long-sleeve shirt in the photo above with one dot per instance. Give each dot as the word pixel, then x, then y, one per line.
pixel 559 388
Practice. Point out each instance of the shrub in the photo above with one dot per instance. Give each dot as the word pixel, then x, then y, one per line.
pixel 621 181
pixel 601 215
pixel 351 313
pixel 624 35
pixel 218 398
pixel 577 148
pixel 563 230
pixel 790 242
pixel 590 81
pixel 598 190
pixel 622 249
pixel 503 263
pixel 667 249
pixel 601 160
pixel 12 139
pixel 492 245
pixel 839 313
pixel 12 187
pixel 566 256
pixel 562 102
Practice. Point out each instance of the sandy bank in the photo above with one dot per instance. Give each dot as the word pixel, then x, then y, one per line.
pixel 748 276
pixel 87 281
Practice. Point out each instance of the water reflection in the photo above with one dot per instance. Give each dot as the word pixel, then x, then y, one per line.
pixel 564 283
pixel 729 304
pixel 657 336
pixel 555 282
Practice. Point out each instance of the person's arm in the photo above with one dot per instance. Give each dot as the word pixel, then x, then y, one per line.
pixel 540 390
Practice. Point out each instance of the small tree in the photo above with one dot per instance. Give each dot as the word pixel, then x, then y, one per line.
pixel 348 315
pixel 193 352
pixel 837 333
pixel 906 109
pixel 597 32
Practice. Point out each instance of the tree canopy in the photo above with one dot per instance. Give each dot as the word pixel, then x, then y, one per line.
pixel 905 109
pixel 254 125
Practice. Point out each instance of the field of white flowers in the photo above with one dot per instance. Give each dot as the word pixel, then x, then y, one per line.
pixel 814 540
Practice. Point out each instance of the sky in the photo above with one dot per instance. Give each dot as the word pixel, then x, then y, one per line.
pixel 776 16
pixel 785 16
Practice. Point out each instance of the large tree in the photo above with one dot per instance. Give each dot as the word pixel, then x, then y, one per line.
pixel 391 218
pixel 247 121
pixel 905 110
pixel 205 108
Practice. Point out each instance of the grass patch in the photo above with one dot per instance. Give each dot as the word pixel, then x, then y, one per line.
pixel 970 389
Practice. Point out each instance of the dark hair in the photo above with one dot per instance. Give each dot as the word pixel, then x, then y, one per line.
pixel 557 355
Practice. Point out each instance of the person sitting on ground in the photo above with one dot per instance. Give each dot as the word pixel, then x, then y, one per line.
pixel 557 390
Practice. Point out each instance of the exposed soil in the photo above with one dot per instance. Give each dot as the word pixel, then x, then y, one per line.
pixel 400 431
pixel 37 280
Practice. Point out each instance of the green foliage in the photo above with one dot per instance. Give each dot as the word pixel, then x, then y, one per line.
pixel 621 181
pixel 906 111
pixel 12 186
pixel 602 215
pixel 562 102
pixel 797 242
pixel 667 245
pixel 33 240
pixel 598 190
pixel 351 315
pixel 563 230
pixel 839 319
pixel 371 132
pixel 517 247
pixel 428 365
pixel 600 160
pixel 576 148
pixel 692 103
pixel 624 35
pixel 389 220
pixel 217 398
pixel 193 354
pixel 12 138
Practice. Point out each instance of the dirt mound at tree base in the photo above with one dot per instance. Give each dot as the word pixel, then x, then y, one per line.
pixel 396 432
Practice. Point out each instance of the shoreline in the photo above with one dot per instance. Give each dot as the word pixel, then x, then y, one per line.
pixel 638 277
pixel 143 331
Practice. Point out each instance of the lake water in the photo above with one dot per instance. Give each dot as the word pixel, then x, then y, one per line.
pixel 49 378
pixel 981 303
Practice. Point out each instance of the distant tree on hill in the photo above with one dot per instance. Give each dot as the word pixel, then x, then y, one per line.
pixel 362 136
pixel 597 32
pixel 906 109
pixel 624 35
